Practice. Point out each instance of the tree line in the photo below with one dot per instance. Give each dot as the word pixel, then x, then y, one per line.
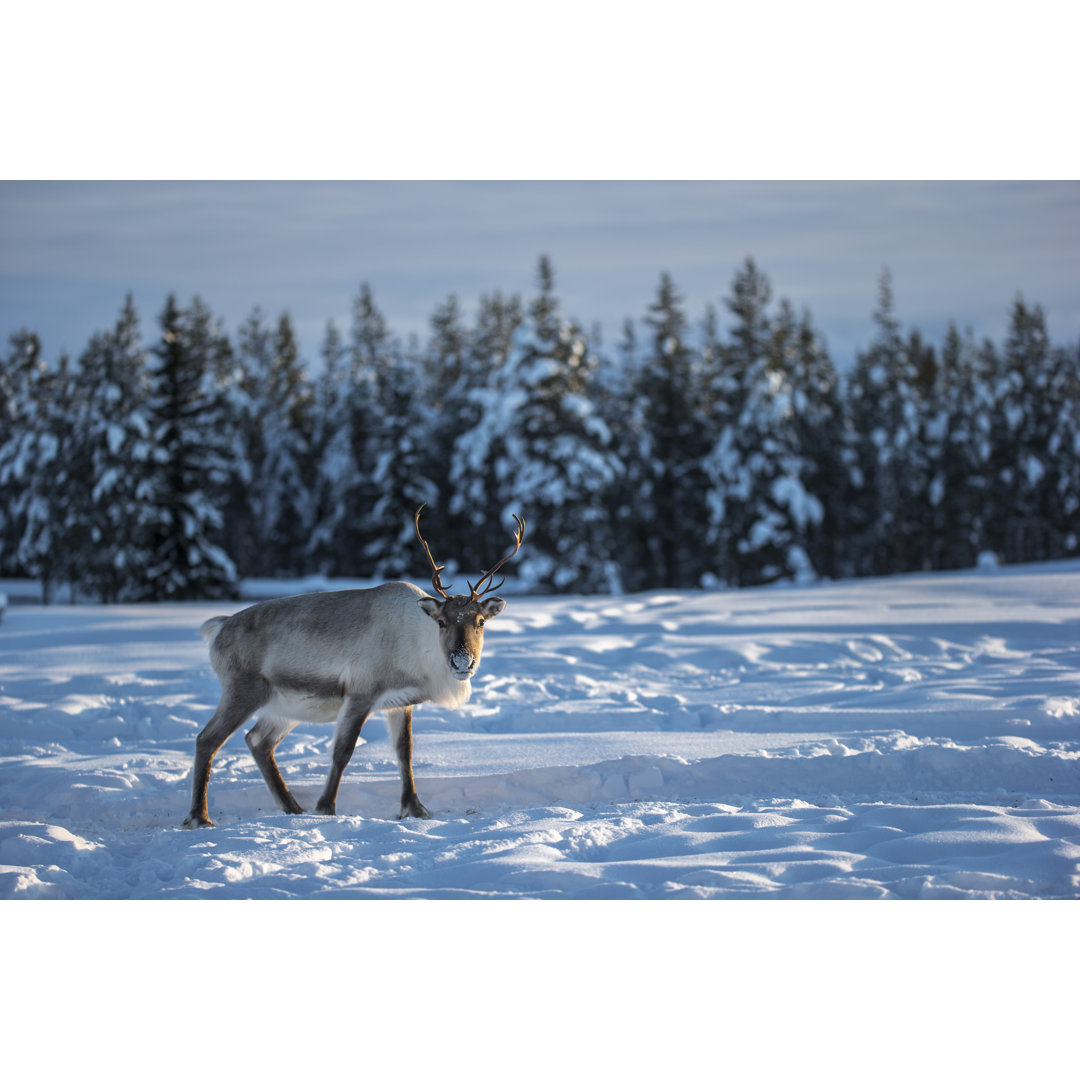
pixel 686 455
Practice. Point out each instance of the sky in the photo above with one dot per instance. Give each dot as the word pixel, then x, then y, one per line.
pixel 956 250
pixel 262 159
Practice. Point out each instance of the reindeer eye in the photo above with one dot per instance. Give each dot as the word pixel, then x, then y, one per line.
pixel 480 622
pixel 442 624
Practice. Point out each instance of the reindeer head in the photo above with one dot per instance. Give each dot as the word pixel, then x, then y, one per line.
pixel 461 618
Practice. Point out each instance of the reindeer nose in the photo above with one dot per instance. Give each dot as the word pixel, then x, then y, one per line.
pixel 462 664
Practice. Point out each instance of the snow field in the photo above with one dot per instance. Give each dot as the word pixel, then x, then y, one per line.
pixel 911 738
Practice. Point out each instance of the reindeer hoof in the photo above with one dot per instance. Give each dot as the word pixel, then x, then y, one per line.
pixel 197 821
pixel 326 808
pixel 413 808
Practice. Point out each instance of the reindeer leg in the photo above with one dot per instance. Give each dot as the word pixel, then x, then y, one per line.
pixel 240 697
pixel 350 720
pixel 263 740
pixel 400 724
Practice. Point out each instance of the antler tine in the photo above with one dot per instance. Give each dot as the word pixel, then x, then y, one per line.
pixel 436 581
pixel 475 590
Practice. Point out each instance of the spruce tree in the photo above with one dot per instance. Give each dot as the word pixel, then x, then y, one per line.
pixel 275 405
pixel 40 470
pixel 399 456
pixel 443 408
pixel 621 408
pixel 559 464
pixel 821 434
pixel 547 454
pixel 672 501
pixel 113 448
pixel 953 447
pixel 747 537
pixel 477 419
pixel 332 465
pixel 883 404
pixel 1033 459
pixel 347 419
pixel 21 367
pixel 371 353
pixel 196 456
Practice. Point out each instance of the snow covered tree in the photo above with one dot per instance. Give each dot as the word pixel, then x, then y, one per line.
pixel 883 405
pixel 332 462
pixel 956 450
pixel 274 402
pixel 444 405
pixel 346 420
pixel 749 476
pixel 771 475
pixel 476 424
pixel 40 472
pixel 113 448
pixel 400 457
pixel 621 409
pixel 1034 506
pixel 548 453
pixel 372 353
pixel 446 357
pixel 671 503
pixel 821 426
pixel 1064 446
pixel 21 368
pixel 808 492
pixel 196 454
pixel 560 449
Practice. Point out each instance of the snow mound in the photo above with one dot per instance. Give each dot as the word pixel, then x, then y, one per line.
pixel 907 738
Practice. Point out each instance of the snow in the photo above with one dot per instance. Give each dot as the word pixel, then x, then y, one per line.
pixel 913 737
pixel 901 738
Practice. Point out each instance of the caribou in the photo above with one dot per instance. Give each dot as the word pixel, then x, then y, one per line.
pixel 337 657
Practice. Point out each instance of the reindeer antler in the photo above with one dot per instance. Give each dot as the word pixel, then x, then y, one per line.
pixel 475 591
pixel 436 581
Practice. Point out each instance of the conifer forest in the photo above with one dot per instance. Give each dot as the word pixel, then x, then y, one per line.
pixel 713 449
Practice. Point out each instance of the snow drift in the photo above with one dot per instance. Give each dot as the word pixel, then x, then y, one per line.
pixel 912 737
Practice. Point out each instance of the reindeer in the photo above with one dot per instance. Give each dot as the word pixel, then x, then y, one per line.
pixel 337 657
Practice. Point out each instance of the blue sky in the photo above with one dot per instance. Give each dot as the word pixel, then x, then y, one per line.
pixel 70 250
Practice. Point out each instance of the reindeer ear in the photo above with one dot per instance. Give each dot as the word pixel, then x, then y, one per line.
pixel 492 606
pixel 430 606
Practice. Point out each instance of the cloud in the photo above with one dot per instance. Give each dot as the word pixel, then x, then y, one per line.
pixel 69 251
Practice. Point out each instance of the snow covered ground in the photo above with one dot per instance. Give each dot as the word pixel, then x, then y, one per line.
pixel 914 737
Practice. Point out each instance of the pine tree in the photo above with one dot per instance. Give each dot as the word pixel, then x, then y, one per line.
pixel 21 369
pixel 195 458
pixel 477 419
pixel 822 436
pixel 371 353
pixel 332 465
pixel 347 419
pixel 743 464
pixel 621 409
pixel 40 469
pixel 113 449
pixel 1034 516
pixel 1064 447
pixel 275 404
pixel 672 502
pixel 443 407
pixel 549 453
pixel 882 399
pixel 922 463
pixel 400 456
pixel 244 539
pixel 560 449
pixel 955 494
